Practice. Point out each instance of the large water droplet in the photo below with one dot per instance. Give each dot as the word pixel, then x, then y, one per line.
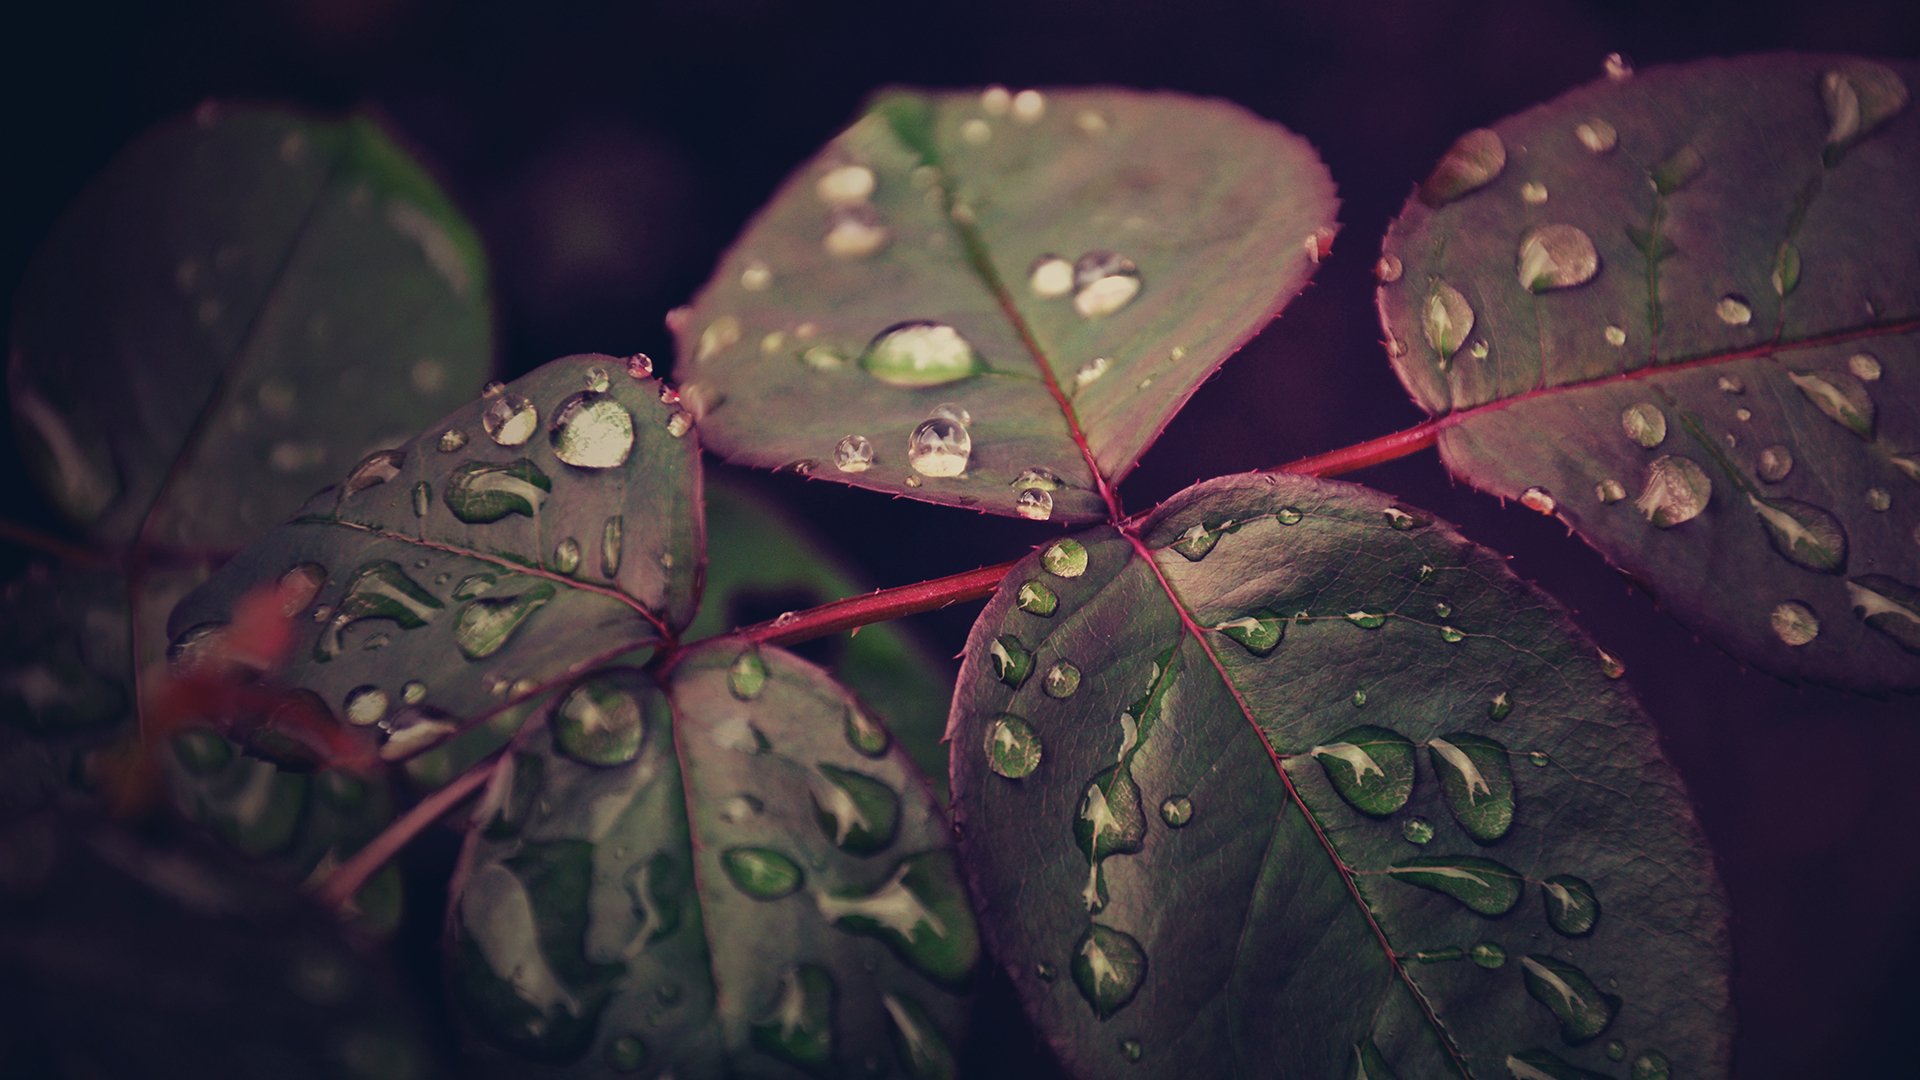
pixel 1034 504
pixel 566 556
pixel 1064 558
pixel 1470 163
pixel 1103 283
pixel 1061 680
pixel 1050 276
pixel 376 590
pixel 375 469
pixel 1259 633
pixel 762 873
pixel 1734 310
pixel 920 353
pixel 1677 491
pixel 1572 908
pixel 1176 811
pixel 1371 767
pixel 1859 97
pixel 479 493
pixel 1644 423
pixel 592 431
pixel 1539 500
pixel 1804 534
pixel 859 813
pixel 1556 257
pixel 486 625
pixel 1447 319
pixel 747 675
pixel 509 419
pixel 1477 778
pixel 1864 366
pixel 599 722
pixel 1486 887
pixel 1013 748
pixel 853 454
pixel 1840 397
pixel 921 912
pixel 939 447
pixel 1888 605
pixel 1108 966
pixel 1794 623
pixel 365 705
pixel 1012 661
pixel 1580 1006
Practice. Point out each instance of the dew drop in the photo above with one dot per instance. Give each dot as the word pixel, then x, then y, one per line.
pixel 1540 759
pixel 1615 336
pixel 1108 967
pixel 845 185
pixel 855 232
pixel 1470 163
pixel 747 676
pixel 1773 464
pixel 939 447
pixel 1533 193
pixel 1064 558
pixel 1597 136
pixel 920 353
pixel 1011 660
pixel 1539 500
pixel 1477 781
pixel 1583 1010
pixel 1556 257
pixel 1840 397
pixel 1359 699
pixel 566 555
pixel 591 430
pixel 1500 707
pixel 1061 680
pixel 1176 811
pixel 1617 68
pixel 1288 515
pixel 1367 620
pixel 1258 633
pixel 599 722
pixel 452 441
pixel 1451 635
pixel 486 625
pixel 1050 277
pixel 1482 885
pixel 509 419
pixel 1879 500
pixel 1035 598
pixel 1611 667
pixel 1644 423
pixel 1131 1050
pixel 1091 371
pixel 1733 310
pixel 375 469
pixel 1034 504
pixel 853 454
pixel 1488 955
pixel 1447 319
pixel 1370 767
pixel 1103 282
pixel 1572 908
pixel 1677 491
pixel 1029 106
pixel 1013 749
pixel 1417 830
pixel 762 873
pixel 1802 533
pixel 365 705
pixel 1387 270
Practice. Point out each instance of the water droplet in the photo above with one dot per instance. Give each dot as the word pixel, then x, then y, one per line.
pixel 1733 310
pixel 1044 971
pixel 799 1028
pixel 1090 371
pixel 626 1054
pixel 1609 491
pixel 1539 500
pixel 1012 661
pixel 365 705
pixel 1500 707
pixel 918 1041
pixel 1258 633
pixel 855 232
pixel 1486 887
pixel 1865 366
pixel 376 590
pixel 1617 68
pixel 1597 136
pixel 1367 620
pixel 566 555
pixel 1540 759
pixel 1488 955
pixel 1104 282
pixel 1615 336
pixel 1034 504
pixel 976 131
pixel 1403 521
pixel 1451 635
pixel 1387 270
pixel 1879 500
pixel 479 493
pixel 1652 1065
pixel 1840 397
pixel 747 676
pixel 1199 539
pixel 1470 163
pixel 762 873
pixel 1447 955
pixel 1611 667
pixel 422 498
pixel 1288 515
pixel 1616 1050
pixel 754 277
pixel 1572 908
pixel 920 353
pixel 1061 680
pixel 1804 534
pixel 599 722
pixel 1064 558
pixel 921 912
pixel 1359 699
pixel 1029 106
pixel 452 440
pixel 1786 269
pixel 484 626
pixel 1416 829
pixel 1035 598
pixel 591 430
pixel 1479 349
pixel 1556 257
pixel 1013 749
pixel 1644 423
pixel 859 813
pixel 509 419
pixel 1446 319
pixel 1478 782
pixel 375 469
pixel 1859 98
pixel 1773 464
pixel 853 454
pixel 1395 347
pixel 845 185
pixel 1108 967
pixel 1532 193
pixel 1370 767
pixel 1580 1006
pixel 1889 606
pixel 1050 276
pixel 1677 491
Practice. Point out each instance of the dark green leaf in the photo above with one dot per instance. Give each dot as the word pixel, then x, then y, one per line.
pixel 242 305
pixel 928 255
pixel 749 891
pixel 1695 310
pixel 1338 831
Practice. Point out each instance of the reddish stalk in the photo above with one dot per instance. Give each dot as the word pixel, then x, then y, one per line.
pixel 1372 452
pixel 340 887
pixel 877 606
pixel 33 539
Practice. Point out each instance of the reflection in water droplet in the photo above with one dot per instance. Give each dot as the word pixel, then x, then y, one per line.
pixel 365 705
pixel 1108 967
pixel 599 722
pixel 1062 679
pixel 1417 830
pixel 1539 500
pixel 479 493
pixel 920 353
pixel 1597 135
pixel 853 454
pixel 591 430
pixel 1609 491
pixel 509 419
pixel 1773 464
pixel 1804 534
pixel 1652 1065
pixel 1471 162
pixel 1644 423
pixel 1879 500
pixel 1580 1006
pixel 1677 491
pixel 1572 908
pixel 1477 781
pixel 1387 270
pixel 566 555
pixel 1064 558
pixel 1034 504
pixel 1104 282
pixel 1012 661
pixel 485 626
pixel 1556 257
pixel 762 873
pixel 1050 276
pixel 1091 370
pixel 1035 598
pixel 1176 811
pixel 939 447
pixel 1447 319
pixel 375 469
pixel 1488 955
pixel 1013 748
pixel 855 232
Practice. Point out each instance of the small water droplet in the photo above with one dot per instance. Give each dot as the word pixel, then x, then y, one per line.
pixel 1540 759
pixel 1743 415
pixel 1479 349
pixel 1533 193
pixel 1615 336
pixel 1500 707
pixel 1652 1065
pixel 747 676
pixel 1044 971
pixel 1050 276
pixel 1062 679
pixel 1176 811
pixel 679 422
pixel 1091 371
pixel 1035 504
pixel 422 498
pixel 1104 282
pixel 1597 135
pixel 855 232
pixel 1359 699
pixel 1865 366
pixel 1610 666
pixel 1035 598
pixel 1539 500
pixel 1416 829
pixel 1451 636
pixel 1609 491
pixel 1259 633
pixel 1387 270
pixel 762 873
pixel 365 705
pixel 1199 539
pixel 1447 319
pixel 375 469
pixel 845 185
pixel 566 555
pixel 1488 955
pixel 1617 68
pixel 1802 533
pixel 452 440
pixel 1064 558
pixel 599 722
pixel 1288 515
pixel 1484 886
pixel 1644 423
pixel 1367 620
pixel 1572 908
pixel 1108 967
pixel 1013 749
pixel 976 131
pixel 1879 500
pixel 1733 310
pixel 1011 660
pixel 1477 780
pixel 509 419
pixel 1773 464
pixel 1131 1050
pixel 1677 491
pixel 611 533
pixel 853 454
pixel 639 366
pixel 754 277
pixel 1470 163
pixel 1029 106
pixel 1556 257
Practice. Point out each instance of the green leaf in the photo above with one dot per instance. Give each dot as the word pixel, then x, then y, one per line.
pixel 242 305
pixel 1357 830
pixel 1695 310
pixel 744 886
pixel 1065 268
pixel 420 608
pixel 762 562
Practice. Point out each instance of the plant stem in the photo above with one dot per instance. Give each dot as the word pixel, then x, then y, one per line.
pixel 878 606
pixel 26 536
pixel 1372 452
pixel 340 887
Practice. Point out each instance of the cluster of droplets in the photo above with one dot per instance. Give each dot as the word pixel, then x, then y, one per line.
pixel 1100 282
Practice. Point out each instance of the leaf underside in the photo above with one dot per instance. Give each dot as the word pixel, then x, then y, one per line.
pixel 942 209
pixel 1331 785
pixel 727 876
pixel 1717 393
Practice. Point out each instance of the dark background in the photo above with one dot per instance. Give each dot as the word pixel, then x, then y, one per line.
pixel 609 151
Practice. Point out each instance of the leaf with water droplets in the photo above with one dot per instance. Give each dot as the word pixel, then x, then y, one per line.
pixel 488 597
pixel 1070 284
pixel 235 312
pixel 1210 841
pixel 1729 276
pixel 634 889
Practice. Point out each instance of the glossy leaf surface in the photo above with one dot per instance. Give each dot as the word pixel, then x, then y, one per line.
pixel 474 565
pixel 1064 268
pixel 725 877
pixel 1682 314
pixel 242 305
pixel 1299 806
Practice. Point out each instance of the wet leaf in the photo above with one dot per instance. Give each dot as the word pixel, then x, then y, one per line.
pixel 1084 260
pixel 474 566
pixel 762 562
pixel 245 302
pixel 1352 829
pixel 746 890
pixel 1725 369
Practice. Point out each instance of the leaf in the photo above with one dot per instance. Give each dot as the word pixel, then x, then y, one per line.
pixel 761 562
pixel 1271 853
pixel 242 305
pixel 711 879
pixel 1704 365
pixel 1065 268
pixel 476 565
